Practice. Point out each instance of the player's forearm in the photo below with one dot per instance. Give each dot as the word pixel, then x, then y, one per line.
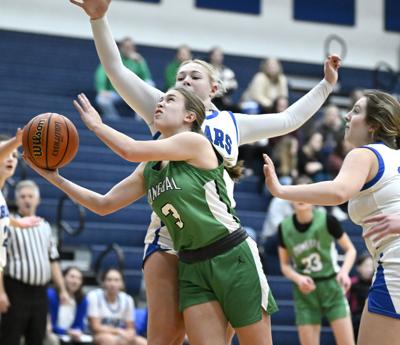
pixel 327 193
pixel 349 259
pixel 118 142
pixel 83 196
pixel 257 127
pixel 290 273
pixel 57 276
pixel 7 147
pixel 140 96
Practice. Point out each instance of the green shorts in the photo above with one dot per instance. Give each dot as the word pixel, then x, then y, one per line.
pixel 327 299
pixel 235 279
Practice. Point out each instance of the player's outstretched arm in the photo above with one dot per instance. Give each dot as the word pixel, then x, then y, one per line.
pixel 140 96
pixel 8 146
pixel 347 183
pixel 122 194
pixel 186 146
pixel 257 127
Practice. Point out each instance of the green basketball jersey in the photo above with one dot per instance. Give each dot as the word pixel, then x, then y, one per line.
pixel 313 252
pixel 192 203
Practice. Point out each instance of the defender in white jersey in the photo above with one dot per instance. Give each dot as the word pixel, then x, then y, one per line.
pixel 165 325
pixel 8 164
pixel 370 180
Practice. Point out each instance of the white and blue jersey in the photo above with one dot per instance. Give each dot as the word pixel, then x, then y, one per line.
pixel 115 314
pixel 221 129
pixel 4 223
pixel 381 195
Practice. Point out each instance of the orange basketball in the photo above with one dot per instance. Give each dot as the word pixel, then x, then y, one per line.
pixel 50 140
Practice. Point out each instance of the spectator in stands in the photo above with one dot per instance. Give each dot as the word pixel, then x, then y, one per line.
pixel 111 312
pixel 68 320
pixel 336 158
pixel 32 260
pixel 331 127
pixel 310 159
pixel 355 95
pixel 285 156
pixel 227 78
pixel 307 239
pixel 360 285
pixel 266 86
pixel 183 53
pixel 107 98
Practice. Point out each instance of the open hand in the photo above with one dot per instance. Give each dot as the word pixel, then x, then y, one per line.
pixel 49 175
pixel 383 225
pixel 271 180
pixel 88 113
pixel 331 67
pixel 28 222
pixel 95 9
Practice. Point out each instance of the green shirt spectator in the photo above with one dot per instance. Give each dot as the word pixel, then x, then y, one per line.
pixel 183 53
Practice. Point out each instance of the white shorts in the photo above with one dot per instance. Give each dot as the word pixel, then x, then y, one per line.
pixel 384 294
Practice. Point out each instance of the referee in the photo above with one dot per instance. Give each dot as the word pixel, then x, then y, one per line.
pixel 31 263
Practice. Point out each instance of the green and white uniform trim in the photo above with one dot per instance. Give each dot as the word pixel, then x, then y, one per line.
pixel 188 199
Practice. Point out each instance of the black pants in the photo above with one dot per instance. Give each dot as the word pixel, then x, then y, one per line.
pixel 27 314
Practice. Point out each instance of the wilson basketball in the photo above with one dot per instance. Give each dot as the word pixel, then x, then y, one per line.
pixel 50 140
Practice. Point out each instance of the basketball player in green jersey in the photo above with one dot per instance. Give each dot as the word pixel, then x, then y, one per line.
pixel 220 274
pixel 307 239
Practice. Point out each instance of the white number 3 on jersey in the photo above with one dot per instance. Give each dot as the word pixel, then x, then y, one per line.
pixel 168 209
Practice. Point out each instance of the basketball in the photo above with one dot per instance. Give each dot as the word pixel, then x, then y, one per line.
pixel 50 140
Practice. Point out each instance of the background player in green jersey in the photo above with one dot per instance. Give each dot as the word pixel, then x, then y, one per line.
pixel 220 273
pixel 307 239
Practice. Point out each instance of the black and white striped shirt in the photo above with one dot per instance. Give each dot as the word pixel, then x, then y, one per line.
pixel 30 252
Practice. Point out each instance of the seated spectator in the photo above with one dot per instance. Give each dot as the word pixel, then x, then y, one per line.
pixel 227 77
pixel 360 285
pixel 67 320
pixel 183 53
pixel 266 86
pixel 310 159
pixel 331 126
pixel 111 312
pixel 355 95
pixel 107 98
pixel 278 210
pixel 335 159
pixel 285 158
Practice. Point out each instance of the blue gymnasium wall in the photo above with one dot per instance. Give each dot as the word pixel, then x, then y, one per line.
pixel 292 30
pixel 341 12
pixel 241 6
pixel 392 15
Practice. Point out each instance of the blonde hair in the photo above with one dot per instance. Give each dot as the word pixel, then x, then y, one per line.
pixel 383 114
pixel 211 72
pixel 194 104
pixel 26 184
pixel 283 153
